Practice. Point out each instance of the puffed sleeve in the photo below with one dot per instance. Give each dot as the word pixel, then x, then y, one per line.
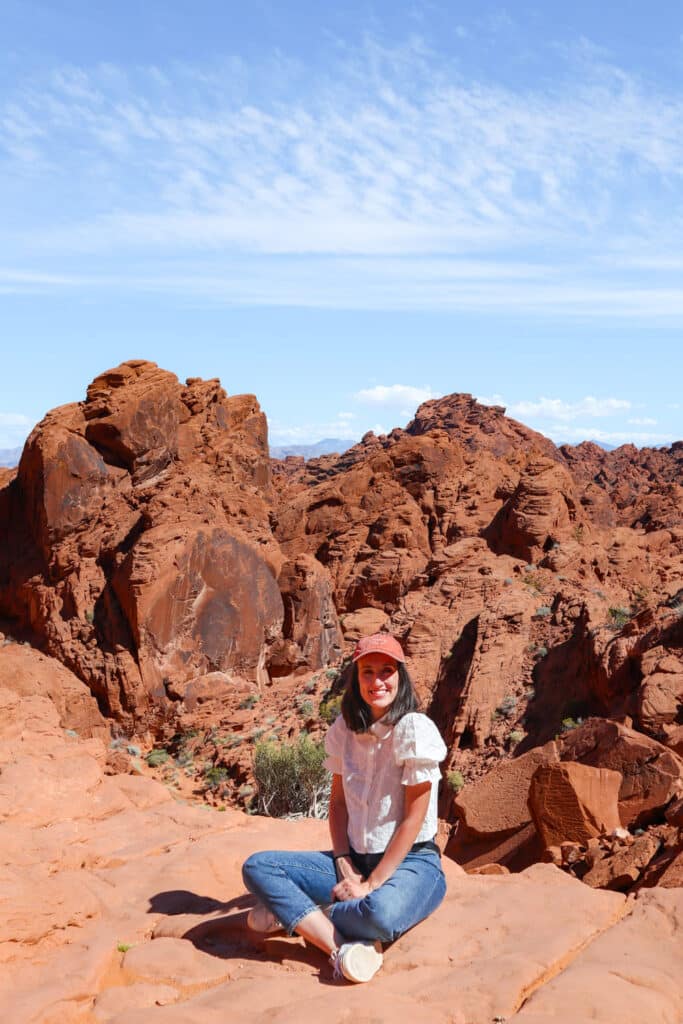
pixel 334 746
pixel 418 748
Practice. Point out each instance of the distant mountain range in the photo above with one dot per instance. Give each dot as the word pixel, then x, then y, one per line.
pixel 311 451
pixel 10 456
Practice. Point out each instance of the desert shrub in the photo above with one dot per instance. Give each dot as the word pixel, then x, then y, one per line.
pixel 515 737
pixel 543 611
pixel 291 778
pixel 506 708
pixel 571 723
pixel 157 757
pixel 455 780
pixel 306 708
pixel 618 617
pixel 330 709
pixel 215 776
pixel 540 652
pixel 249 701
pixel 90 616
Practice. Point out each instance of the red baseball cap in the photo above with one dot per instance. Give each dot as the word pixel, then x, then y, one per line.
pixel 379 643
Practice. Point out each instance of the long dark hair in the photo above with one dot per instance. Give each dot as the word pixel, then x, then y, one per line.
pixel 357 713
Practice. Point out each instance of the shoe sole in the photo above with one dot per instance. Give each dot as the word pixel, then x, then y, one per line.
pixel 362 962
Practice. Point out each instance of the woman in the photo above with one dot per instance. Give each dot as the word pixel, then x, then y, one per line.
pixel 384 872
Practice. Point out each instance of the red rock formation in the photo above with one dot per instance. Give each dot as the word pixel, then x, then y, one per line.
pixel 140 551
pixel 652 775
pixel 570 801
pixel 155 550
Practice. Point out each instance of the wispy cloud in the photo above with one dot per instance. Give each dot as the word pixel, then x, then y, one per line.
pixel 558 409
pixel 309 433
pixel 395 394
pixel 420 187
pixel 557 418
pixel 592 433
pixel 14 429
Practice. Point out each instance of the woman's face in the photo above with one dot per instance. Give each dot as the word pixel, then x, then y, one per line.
pixel 378 682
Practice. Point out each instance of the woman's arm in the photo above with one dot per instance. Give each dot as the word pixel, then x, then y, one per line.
pixel 339 823
pixel 415 811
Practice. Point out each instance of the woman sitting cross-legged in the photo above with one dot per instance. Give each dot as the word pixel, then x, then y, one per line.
pixel 384 872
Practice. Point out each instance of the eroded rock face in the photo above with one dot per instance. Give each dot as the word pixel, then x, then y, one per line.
pixel 194 584
pixel 570 801
pixel 651 774
pixel 140 550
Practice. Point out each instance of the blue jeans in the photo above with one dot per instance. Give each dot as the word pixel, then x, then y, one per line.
pixel 292 884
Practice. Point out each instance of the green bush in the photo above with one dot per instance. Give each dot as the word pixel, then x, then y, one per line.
pixel 157 757
pixel 618 617
pixel 306 708
pixel 249 701
pixel 215 776
pixel 455 780
pixel 291 778
pixel 330 709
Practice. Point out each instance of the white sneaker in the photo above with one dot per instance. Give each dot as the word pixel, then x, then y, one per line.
pixel 357 961
pixel 260 919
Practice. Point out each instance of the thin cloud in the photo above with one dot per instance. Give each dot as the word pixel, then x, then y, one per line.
pixel 14 429
pixel 643 421
pixel 424 189
pixel 396 394
pixel 586 432
pixel 310 433
pixel 14 419
pixel 558 409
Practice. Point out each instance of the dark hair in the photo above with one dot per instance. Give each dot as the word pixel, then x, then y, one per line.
pixel 357 713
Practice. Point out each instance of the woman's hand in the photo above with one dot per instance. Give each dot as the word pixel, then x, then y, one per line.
pixel 351 889
pixel 346 873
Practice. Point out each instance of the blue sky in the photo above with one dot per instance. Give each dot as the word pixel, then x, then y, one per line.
pixel 347 210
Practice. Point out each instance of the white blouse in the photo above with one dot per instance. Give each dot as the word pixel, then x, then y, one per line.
pixel 374 767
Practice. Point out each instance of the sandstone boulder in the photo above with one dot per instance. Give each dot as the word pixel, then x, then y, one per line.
pixel 651 774
pixel 574 802
pixel 493 817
